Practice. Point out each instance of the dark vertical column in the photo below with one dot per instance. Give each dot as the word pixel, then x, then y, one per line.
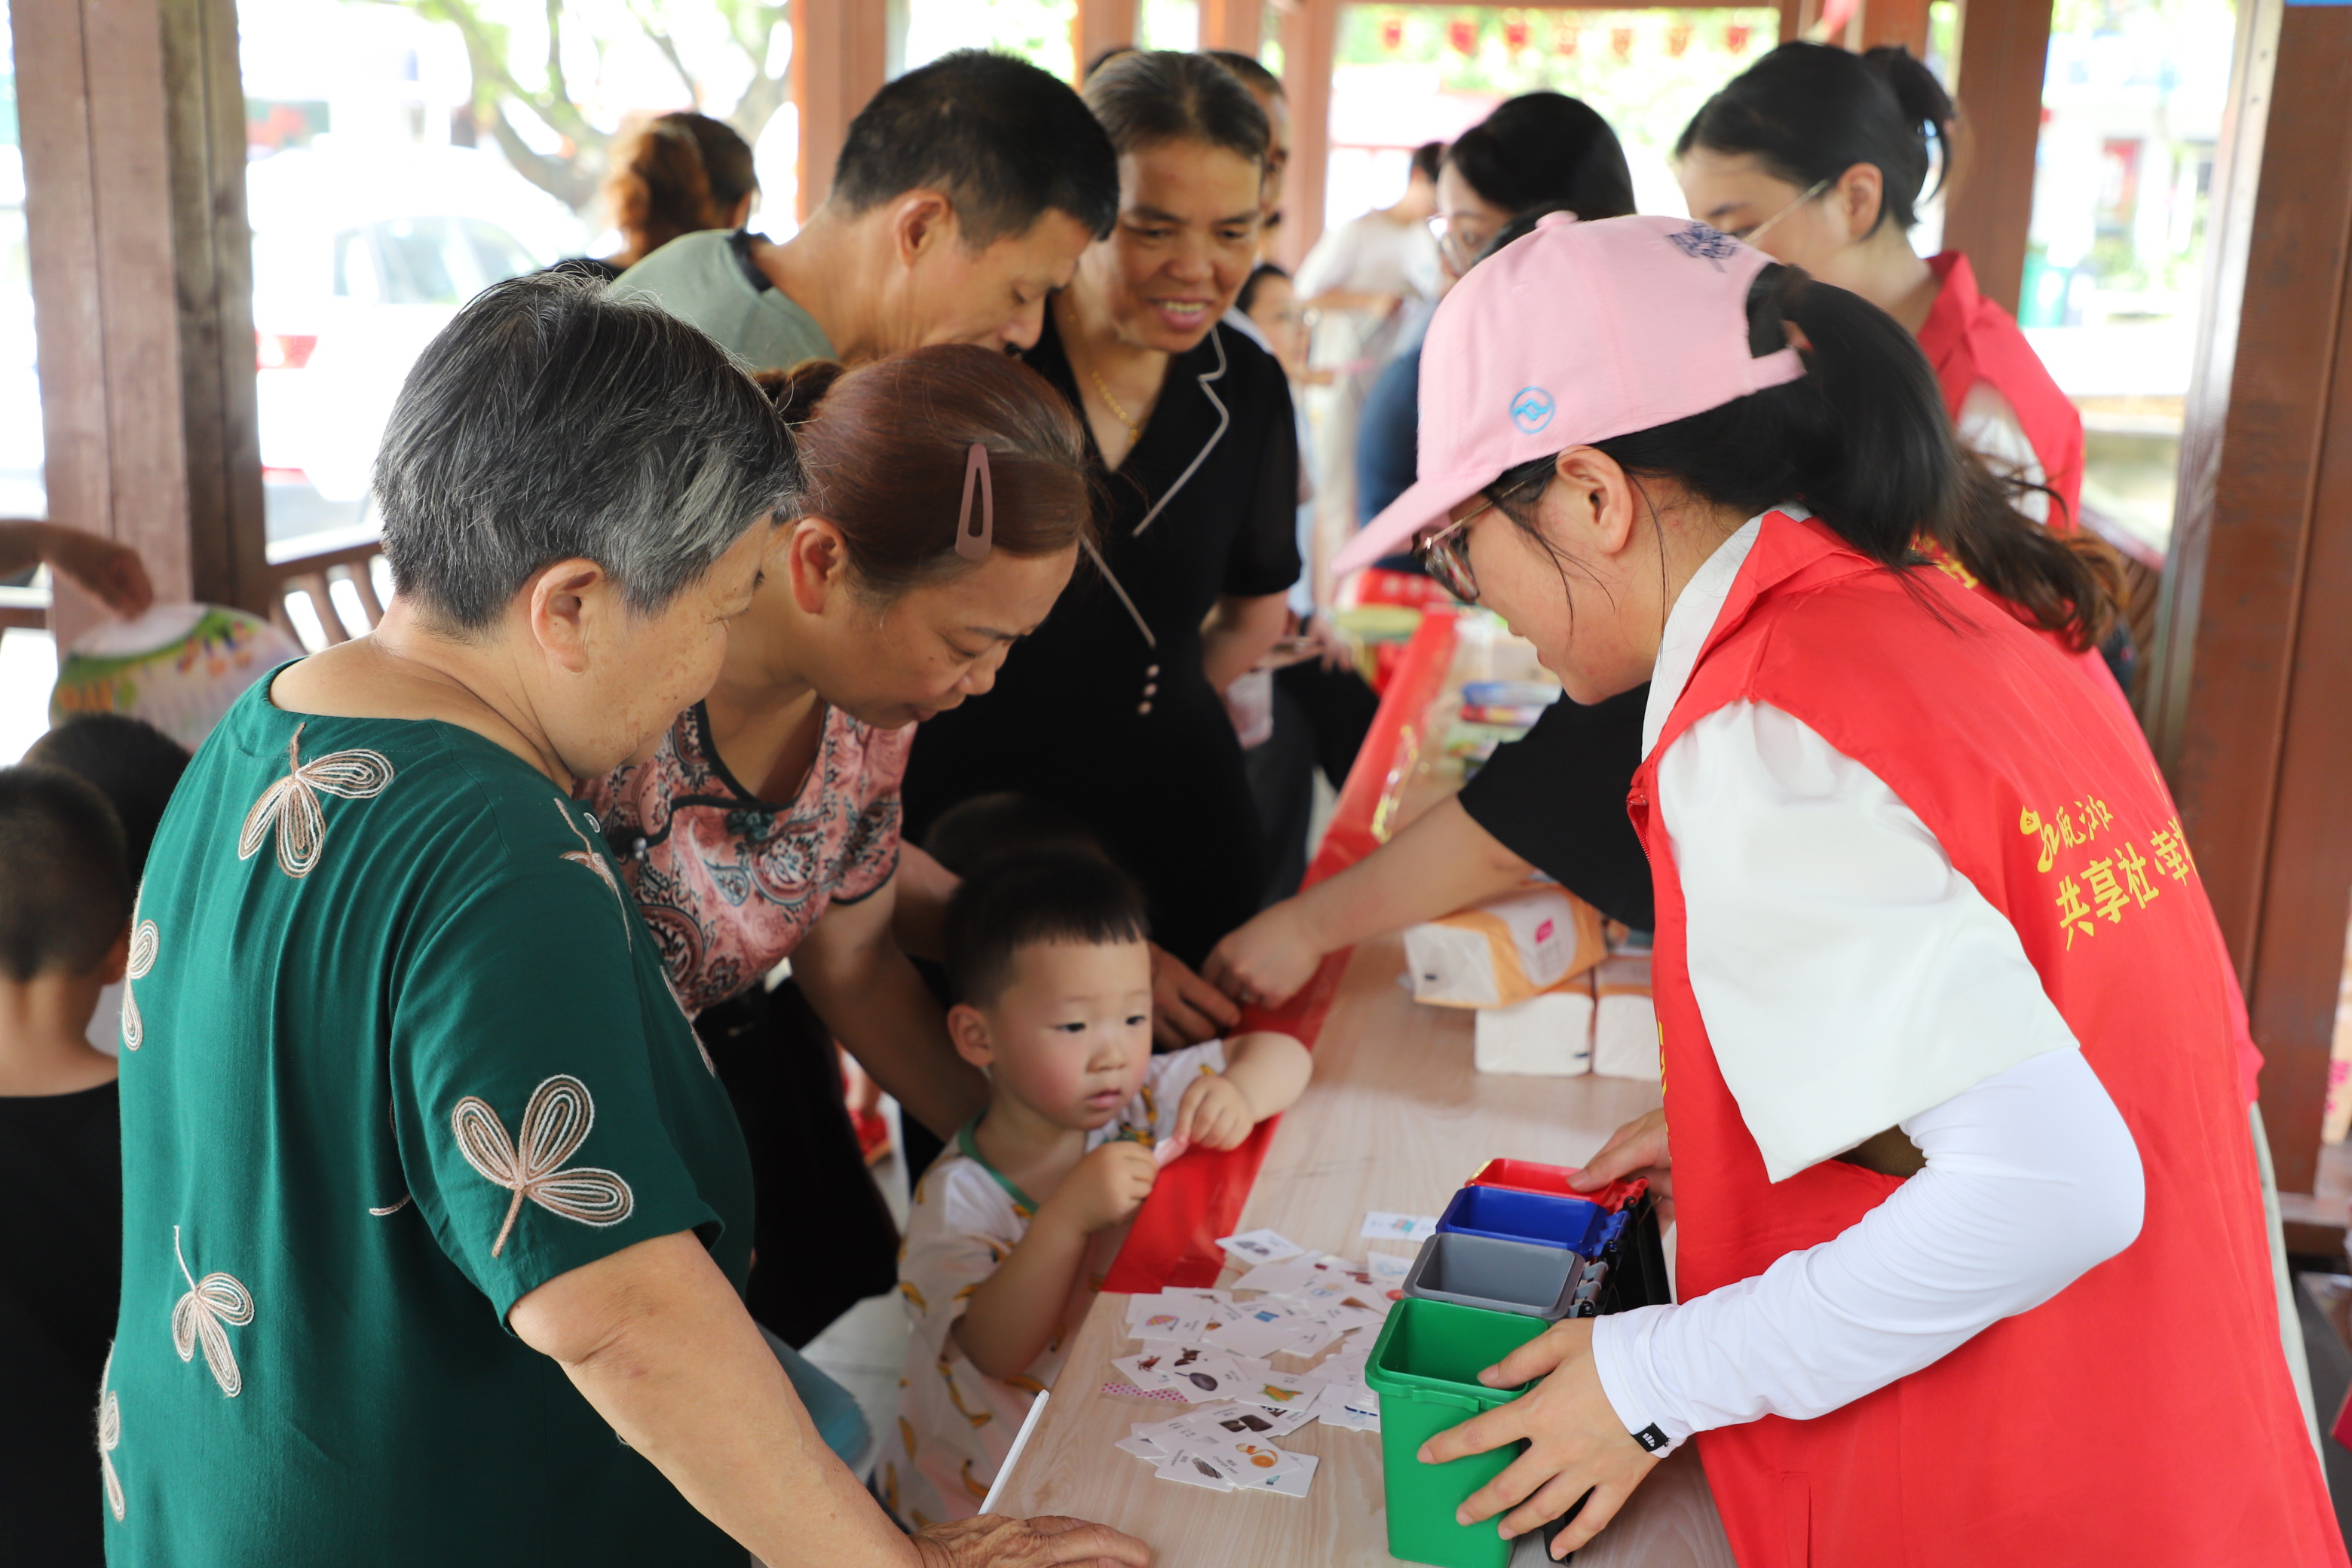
pixel 840 52
pixel 2253 654
pixel 1102 24
pixel 1310 42
pixel 133 125
pixel 2004 45
pixel 1235 25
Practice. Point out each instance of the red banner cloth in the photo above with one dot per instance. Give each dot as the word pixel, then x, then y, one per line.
pixel 1199 1198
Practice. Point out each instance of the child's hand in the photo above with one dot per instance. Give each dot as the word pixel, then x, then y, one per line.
pixel 1214 1112
pixel 1107 1186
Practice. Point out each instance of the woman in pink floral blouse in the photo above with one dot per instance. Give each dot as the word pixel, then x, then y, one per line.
pixel 947 498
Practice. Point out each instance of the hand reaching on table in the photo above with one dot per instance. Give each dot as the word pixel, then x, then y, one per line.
pixel 1576 1443
pixel 1186 1010
pixel 992 1540
pixel 1637 1148
pixel 1268 960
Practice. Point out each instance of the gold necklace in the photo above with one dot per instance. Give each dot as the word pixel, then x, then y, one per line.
pixel 1134 431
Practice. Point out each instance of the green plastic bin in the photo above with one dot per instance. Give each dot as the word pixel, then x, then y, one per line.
pixel 1425 1368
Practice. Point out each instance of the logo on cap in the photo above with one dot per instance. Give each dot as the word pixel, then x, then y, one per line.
pixel 1532 408
pixel 1702 243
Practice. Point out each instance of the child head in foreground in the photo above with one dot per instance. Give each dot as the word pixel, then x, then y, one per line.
pixel 1048 963
pixel 64 928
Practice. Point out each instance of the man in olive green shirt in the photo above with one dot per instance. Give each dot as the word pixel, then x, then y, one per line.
pixel 964 196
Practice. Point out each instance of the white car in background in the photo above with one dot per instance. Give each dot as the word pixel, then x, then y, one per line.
pixel 360 255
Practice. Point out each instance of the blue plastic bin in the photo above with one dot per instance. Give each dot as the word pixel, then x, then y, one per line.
pixel 1504 1214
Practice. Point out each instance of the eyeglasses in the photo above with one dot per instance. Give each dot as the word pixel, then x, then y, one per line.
pixel 1445 555
pixel 1749 236
pixel 1461 240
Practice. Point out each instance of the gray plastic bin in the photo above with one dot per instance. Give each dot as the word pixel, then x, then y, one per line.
pixel 1499 1276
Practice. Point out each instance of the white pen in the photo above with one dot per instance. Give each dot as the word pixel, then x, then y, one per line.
pixel 1019 1441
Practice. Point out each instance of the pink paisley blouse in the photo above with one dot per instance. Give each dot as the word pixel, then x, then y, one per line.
pixel 730 883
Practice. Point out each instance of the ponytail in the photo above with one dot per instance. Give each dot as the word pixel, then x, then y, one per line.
pixel 681 173
pixel 659 189
pixel 797 392
pixel 1863 439
pixel 1808 112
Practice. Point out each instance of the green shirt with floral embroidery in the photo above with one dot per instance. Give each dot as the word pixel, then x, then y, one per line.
pixel 398 1051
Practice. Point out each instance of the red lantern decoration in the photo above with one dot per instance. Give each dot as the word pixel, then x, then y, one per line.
pixel 1393 33
pixel 1515 35
pixel 1462 36
pixel 1621 42
pixel 1567 41
pixel 1678 40
pixel 1736 37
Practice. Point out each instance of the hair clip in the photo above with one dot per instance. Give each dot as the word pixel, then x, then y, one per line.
pixel 974 545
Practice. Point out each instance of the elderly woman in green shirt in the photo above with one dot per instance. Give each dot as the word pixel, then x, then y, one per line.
pixel 436 1221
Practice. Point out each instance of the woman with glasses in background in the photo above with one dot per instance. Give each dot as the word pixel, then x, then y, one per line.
pixel 1820 158
pixel 1538 151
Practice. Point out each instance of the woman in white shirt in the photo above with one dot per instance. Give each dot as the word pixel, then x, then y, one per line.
pixel 1946 1028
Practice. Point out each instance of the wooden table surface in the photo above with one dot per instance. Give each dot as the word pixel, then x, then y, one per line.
pixel 1394 1120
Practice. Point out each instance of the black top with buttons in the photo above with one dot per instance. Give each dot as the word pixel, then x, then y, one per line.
pixel 1120 730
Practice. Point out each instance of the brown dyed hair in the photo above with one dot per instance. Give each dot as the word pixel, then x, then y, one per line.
pixel 679 174
pixel 884 448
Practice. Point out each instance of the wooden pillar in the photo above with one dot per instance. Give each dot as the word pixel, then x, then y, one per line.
pixel 133 125
pixel 1310 43
pixel 1102 24
pixel 1901 22
pixel 1235 25
pixel 2003 49
pixel 840 54
pixel 2252 658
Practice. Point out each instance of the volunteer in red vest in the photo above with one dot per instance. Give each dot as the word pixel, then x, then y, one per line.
pixel 1817 157
pixel 1924 907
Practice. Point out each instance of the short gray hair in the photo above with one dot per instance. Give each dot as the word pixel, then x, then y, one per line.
pixel 551 420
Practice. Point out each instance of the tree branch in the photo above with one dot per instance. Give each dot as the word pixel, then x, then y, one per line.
pixel 661 40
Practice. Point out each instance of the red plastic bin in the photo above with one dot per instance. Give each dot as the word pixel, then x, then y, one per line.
pixel 1528 1176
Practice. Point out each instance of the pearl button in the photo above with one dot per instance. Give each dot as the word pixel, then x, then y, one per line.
pixel 1143 707
pixel 1152 670
pixel 1150 689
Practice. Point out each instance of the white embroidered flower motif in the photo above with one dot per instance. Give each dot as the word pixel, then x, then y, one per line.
pixel 586 855
pixel 145 942
pixel 215 1299
pixel 291 805
pixel 554 1124
pixel 110 1437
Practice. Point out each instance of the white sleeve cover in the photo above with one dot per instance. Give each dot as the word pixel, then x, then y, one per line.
pixel 1850 976
pixel 2032 1179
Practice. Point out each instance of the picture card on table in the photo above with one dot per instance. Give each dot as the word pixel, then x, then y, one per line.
pixel 1381 1225
pixel 1261 1245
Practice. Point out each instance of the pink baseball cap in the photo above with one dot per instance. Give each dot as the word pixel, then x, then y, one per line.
pixel 1578 332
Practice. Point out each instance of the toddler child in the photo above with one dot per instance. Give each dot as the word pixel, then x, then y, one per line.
pixel 1006 1238
pixel 135 766
pixel 65 932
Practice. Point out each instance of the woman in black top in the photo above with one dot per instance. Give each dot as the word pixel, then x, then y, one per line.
pixel 1553 802
pixel 1111 712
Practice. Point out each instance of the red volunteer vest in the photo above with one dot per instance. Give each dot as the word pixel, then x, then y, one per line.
pixel 1969 339
pixel 2093 670
pixel 2144 1414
